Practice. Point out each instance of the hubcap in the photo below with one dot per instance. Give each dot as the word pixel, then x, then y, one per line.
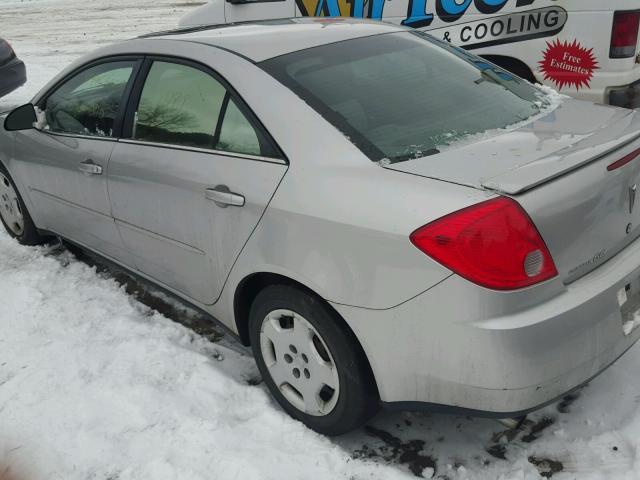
pixel 10 207
pixel 299 362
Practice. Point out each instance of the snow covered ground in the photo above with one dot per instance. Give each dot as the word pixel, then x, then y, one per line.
pixel 99 381
pixel 48 34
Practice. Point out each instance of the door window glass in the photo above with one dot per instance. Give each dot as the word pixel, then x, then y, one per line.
pixel 89 102
pixel 179 105
pixel 237 134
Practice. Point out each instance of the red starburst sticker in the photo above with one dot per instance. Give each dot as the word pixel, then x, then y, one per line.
pixel 568 63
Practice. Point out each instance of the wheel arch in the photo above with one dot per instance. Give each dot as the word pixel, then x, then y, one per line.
pixel 251 285
pixel 513 65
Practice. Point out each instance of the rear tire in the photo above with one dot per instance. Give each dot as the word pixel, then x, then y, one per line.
pixel 310 361
pixel 14 214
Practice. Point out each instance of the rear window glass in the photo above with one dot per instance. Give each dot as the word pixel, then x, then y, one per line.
pixel 404 95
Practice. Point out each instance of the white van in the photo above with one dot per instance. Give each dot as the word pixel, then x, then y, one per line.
pixel 584 48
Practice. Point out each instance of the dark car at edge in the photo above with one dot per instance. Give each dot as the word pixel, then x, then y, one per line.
pixel 13 73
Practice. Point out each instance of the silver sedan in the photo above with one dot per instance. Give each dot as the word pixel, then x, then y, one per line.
pixel 387 220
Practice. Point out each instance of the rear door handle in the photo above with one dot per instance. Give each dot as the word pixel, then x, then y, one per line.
pixel 223 197
pixel 90 168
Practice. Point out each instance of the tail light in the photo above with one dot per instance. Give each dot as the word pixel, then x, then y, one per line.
pixel 624 37
pixel 493 244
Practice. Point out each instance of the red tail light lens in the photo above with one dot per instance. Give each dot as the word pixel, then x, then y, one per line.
pixel 624 38
pixel 494 244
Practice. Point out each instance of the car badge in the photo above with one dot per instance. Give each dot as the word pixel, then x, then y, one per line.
pixel 632 197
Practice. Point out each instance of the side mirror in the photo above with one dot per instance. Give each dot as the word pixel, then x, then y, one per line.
pixel 22 118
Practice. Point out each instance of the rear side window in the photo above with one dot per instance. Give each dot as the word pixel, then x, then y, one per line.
pixel 403 95
pixel 236 134
pixel 179 105
pixel 89 103
pixel 185 106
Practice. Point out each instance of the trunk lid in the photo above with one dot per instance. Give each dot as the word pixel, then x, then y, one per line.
pixel 574 134
pixel 556 167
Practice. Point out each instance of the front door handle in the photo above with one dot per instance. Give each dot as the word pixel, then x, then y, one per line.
pixel 90 168
pixel 223 197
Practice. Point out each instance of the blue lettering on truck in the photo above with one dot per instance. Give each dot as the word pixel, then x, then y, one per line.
pixel 451 11
pixel 495 30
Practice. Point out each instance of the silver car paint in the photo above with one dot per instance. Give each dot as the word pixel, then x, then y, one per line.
pixel 306 259
pixel 176 235
pixel 339 225
pixel 66 200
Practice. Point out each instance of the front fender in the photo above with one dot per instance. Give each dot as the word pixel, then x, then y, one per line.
pixel 7 159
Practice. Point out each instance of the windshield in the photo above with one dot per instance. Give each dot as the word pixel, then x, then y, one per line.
pixel 405 95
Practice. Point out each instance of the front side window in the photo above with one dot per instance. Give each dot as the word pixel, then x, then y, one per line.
pixel 89 103
pixel 402 95
pixel 183 105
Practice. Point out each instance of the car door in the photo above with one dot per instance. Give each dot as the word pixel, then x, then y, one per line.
pixel 245 10
pixel 64 161
pixel 192 181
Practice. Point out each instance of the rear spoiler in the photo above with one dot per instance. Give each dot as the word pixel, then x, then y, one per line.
pixel 529 176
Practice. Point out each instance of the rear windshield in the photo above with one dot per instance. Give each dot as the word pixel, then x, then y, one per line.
pixel 405 95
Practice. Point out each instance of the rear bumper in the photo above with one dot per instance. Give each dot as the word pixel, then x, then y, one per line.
pixel 452 348
pixel 12 76
pixel 439 408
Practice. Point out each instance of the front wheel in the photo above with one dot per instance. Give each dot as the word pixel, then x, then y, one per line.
pixel 311 361
pixel 14 214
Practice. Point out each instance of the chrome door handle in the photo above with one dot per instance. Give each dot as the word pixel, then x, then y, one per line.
pixel 223 197
pixel 90 168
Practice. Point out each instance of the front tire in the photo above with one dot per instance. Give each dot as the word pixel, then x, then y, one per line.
pixel 310 361
pixel 14 214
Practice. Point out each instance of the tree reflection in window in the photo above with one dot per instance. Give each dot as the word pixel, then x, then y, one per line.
pixel 179 105
pixel 237 135
pixel 89 102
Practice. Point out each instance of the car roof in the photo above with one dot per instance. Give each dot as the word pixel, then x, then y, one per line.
pixel 261 40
